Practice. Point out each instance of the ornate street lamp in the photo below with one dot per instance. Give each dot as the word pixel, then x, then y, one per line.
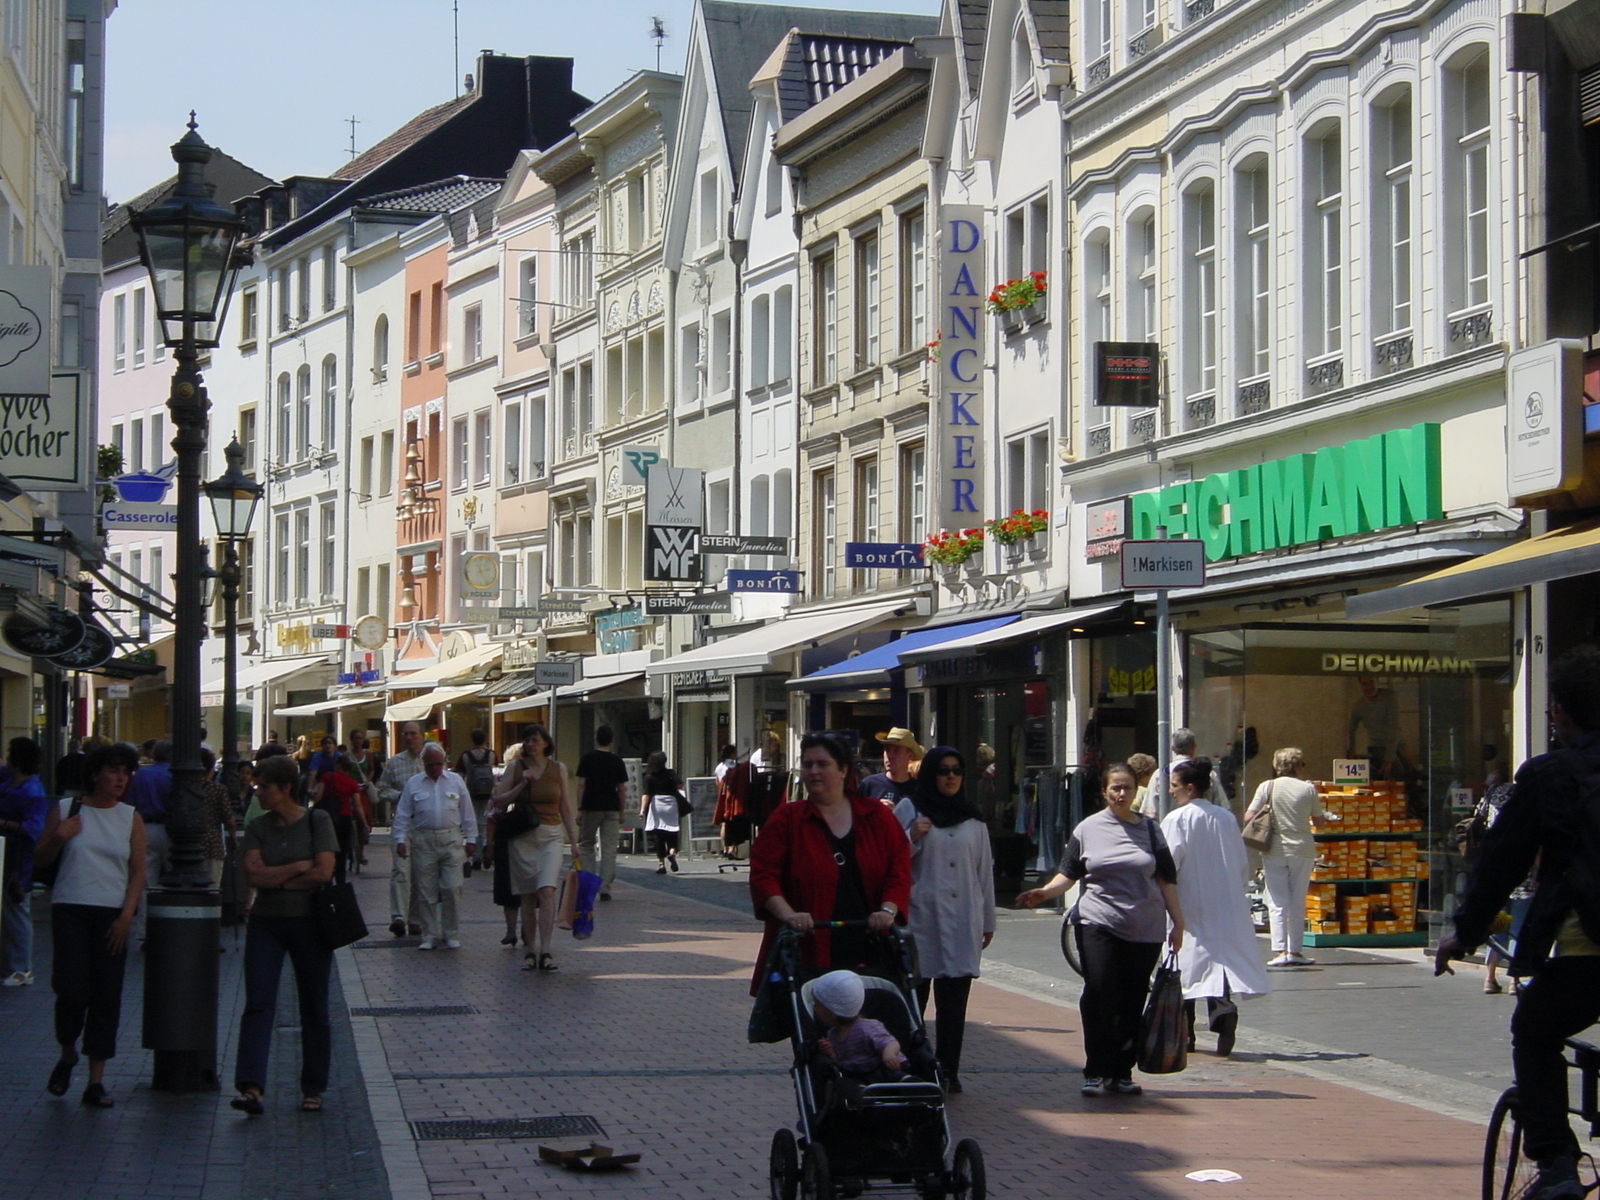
pixel 190 246
pixel 234 497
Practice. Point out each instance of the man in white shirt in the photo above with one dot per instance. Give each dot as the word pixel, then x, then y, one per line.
pixel 434 827
pixel 1158 797
pixel 397 771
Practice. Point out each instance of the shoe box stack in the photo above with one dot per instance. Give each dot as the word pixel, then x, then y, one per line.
pixel 1322 909
pixel 1370 808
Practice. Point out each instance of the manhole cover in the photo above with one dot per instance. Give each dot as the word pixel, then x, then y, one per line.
pixel 511 1127
pixel 414 1010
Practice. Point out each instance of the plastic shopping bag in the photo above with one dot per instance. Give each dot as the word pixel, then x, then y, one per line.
pixel 1164 1034
pixel 567 902
pixel 588 891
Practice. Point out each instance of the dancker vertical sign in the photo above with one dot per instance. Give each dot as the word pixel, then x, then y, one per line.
pixel 961 411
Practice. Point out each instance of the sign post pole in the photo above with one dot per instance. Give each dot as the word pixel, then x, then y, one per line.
pixel 1163 679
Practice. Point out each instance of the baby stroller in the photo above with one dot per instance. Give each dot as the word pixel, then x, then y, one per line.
pixel 887 1137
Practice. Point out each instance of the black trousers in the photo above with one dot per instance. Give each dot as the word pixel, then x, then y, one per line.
pixel 1116 982
pixel 87 978
pixel 344 828
pixel 666 843
pixel 950 1018
pixel 1559 1002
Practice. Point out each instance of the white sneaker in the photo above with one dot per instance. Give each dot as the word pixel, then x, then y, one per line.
pixel 18 979
pixel 1280 960
pixel 425 944
pixel 453 943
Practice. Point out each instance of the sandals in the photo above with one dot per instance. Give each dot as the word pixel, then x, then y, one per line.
pixel 94 1096
pixel 547 962
pixel 61 1076
pixel 249 1103
pixel 311 1104
pixel 530 962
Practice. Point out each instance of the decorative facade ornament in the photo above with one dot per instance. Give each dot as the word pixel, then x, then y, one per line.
pixel 655 303
pixel 433 407
pixel 633 307
pixel 614 484
pixel 613 317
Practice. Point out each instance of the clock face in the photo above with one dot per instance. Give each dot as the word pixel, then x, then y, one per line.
pixel 483 570
pixel 371 633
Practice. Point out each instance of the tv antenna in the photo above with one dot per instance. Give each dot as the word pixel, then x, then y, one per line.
pixel 352 122
pixel 455 17
pixel 658 31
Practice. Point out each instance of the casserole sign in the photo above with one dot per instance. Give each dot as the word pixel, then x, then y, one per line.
pixel 960 413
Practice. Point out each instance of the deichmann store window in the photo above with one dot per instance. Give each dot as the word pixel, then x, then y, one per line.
pixel 1423 697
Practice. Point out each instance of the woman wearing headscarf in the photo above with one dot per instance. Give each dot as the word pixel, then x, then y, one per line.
pixel 952 896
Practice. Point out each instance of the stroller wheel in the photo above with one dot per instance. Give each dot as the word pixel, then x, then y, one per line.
pixel 966 1177
pixel 816 1180
pixel 784 1166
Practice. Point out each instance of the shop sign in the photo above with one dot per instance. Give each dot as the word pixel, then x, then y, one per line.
pixel 480 577
pixel 1127 374
pixel 330 631
pixel 24 348
pixel 294 638
pixel 42 444
pixel 762 581
pixel 555 673
pixel 996 662
pixel 637 461
pixel 119 691
pixel 1372 483
pixel 1391 663
pixel 669 605
pixel 884 556
pixel 1106 527
pixel 674 515
pixel 1544 418
pixel 519 656
pixel 716 543
pixel 1163 564
pixel 962 264
pixel 1352 770
pixel 618 631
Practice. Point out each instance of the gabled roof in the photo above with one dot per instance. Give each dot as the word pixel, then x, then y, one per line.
pixel 409 134
pixel 740 38
pixel 444 195
pixel 974 29
pixel 807 68
pixel 1050 19
pixel 233 181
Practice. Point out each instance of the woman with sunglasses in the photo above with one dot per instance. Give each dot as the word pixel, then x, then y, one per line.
pixel 952 896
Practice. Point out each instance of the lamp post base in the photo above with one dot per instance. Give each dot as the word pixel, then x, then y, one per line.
pixel 181 988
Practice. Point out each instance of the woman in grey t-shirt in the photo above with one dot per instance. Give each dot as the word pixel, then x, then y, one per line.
pixel 1121 917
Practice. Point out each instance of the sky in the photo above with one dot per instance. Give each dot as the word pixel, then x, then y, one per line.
pixel 274 81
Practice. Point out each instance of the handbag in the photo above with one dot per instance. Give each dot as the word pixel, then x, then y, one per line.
pixel 338 915
pixel 46 874
pixel 516 820
pixel 1262 826
pixel 234 888
pixel 684 807
pixel 1164 1031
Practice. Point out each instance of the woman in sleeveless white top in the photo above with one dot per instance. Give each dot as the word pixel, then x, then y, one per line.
pixel 101 848
pixel 1286 864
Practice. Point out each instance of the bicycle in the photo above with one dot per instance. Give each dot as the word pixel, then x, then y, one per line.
pixel 1507 1173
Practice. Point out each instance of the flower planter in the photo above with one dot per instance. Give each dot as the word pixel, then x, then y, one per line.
pixel 1013 554
pixel 1011 320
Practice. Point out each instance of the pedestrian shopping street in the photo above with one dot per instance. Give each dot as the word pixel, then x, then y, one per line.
pixel 642 1030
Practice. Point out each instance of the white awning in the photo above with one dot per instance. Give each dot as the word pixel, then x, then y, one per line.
pixel 418 709
pixel 336 704
pixel 583 689
pixel 269 672
pixel 454 670
pixel 1028 627
pixel 755 648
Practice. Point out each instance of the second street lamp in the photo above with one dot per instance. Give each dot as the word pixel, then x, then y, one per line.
pixel 190 247
pixel 233 496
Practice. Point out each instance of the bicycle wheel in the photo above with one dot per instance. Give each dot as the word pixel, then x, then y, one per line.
pixel 1507 1172
pixel 1069 946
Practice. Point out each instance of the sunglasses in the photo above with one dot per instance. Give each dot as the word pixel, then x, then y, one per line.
pixel 948 771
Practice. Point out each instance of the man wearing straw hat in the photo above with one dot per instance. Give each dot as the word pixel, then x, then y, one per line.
pixel 895 782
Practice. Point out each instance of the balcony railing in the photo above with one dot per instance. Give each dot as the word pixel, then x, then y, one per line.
pixel 1392 352
pixel 1255 395
pixel 1099 71
pixel 1142 429
pixel 1198 10
pixel 1470 329
pixel 1201 411
pixel 1143 42
pixel 1325 375
pixel 1100 441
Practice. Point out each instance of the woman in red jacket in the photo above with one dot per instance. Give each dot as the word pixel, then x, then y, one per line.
pixel 832 856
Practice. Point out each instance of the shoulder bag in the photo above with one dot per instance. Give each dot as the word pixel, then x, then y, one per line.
pixel 1262 826
pixel 47 873
pixel 1163 1031
pixel 333 905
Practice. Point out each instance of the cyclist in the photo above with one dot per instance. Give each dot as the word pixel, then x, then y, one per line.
pixel 1553 812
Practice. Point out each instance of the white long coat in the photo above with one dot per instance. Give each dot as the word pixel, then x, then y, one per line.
pixel 952 895
pixel 1220 953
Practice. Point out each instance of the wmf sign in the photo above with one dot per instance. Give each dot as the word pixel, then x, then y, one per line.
pixel 674 512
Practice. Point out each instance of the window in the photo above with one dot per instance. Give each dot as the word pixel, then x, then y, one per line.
pixel 414 327
pixel 280 285
pixel 136 569
pixel 249 316
pixel 1028 472
pixel 285 419
pixel 303 411
pixel 1324 251
pixel 1391 203
pixel 136 440
pixel 482 445
pixel 775 181
pixel 140 327
pixel 577 271
pixel 158 440
pixel 1097 287
pixel 380 348
pixel 386 462
pixel 280 534
pixel 869 300
pixel 1141 16
pixel 302 289
pixel 330 276
pixel 73 140
pixel 585 406
pixel 1200 289
pixel 1021 59
pixel 635 201
pixel 721 351
pixel 364 477
pixel 1028 238
pixel 760 505
pixel 1097 36
pixel 330 404
pixel 247 579
pixel 381 593
pixel 691 363
pixel 330 545
pixel 511 441
pixel 1252 304
pixel 825 316
pixel 709 208
pixel 760 341
pixel 158 572
pixel 119 332
pixel 1142 315
pixel 69 340
pixel 866 500
pixel 436 320
pixel 472 334
pixel 585 531
pixel 824 532
pixel 460 450
pixel 914 492
pixel 719 519
pixel 527 294
pixel 913 280
pixel 537 436
pixel 302 554
pixel 783 503
pixel 119 440
pixel 247 438
pixel 1466 146
pixel 782 334
pixel 363 591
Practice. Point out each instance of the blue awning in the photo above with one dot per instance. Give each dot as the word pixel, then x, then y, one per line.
pixel 871 668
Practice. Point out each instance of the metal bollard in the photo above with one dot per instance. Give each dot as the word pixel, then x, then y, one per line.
pixel 183 936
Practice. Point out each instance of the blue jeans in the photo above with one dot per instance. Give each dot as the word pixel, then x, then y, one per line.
pixel 266 942
pixel 16 936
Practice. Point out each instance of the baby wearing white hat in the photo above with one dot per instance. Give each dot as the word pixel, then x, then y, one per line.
pixel 861 1047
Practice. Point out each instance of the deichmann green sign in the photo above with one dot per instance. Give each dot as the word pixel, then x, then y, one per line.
pixel 1371 483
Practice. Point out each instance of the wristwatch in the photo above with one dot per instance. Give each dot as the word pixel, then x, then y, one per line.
pixel 890 909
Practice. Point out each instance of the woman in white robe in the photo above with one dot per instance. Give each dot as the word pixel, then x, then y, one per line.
pixel 1219 959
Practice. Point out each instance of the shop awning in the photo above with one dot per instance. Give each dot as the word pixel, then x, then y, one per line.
pixel 518 683
pixel 269 672
pixel 584 689
pixel 1559 554
pixel 1018 631
pixel 455 670
pixel 334 704
pixel 754 649
pixel 871 668
pixel 418 709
